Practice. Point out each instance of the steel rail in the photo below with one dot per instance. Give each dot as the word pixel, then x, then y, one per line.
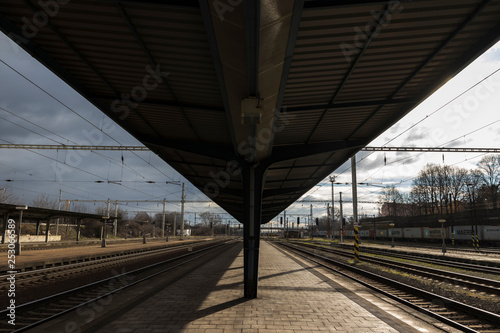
pixel 471 282
pixel 86 288
pixel 94 264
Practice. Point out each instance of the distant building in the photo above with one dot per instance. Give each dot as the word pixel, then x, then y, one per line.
pixel 398 209
pixel 401 209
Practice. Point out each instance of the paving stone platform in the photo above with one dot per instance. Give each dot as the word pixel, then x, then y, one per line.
pixel 43 257
pixel 292 297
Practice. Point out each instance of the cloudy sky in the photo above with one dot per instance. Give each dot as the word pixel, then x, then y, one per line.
pixel 37 108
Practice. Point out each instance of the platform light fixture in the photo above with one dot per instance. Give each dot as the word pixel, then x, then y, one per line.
pixel 443 247
pixel 392 234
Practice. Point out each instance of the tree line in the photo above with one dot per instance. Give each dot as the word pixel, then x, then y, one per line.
pixel 442 189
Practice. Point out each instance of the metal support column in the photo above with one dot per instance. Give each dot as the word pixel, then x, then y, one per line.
pixel 5 219
pixel 332 234
pixel 252 180
pixel 182 213
pixel 355 208
pixel 163 219
pixel 78 224
pixel 47 230
pixel 341 219
pixel 354 190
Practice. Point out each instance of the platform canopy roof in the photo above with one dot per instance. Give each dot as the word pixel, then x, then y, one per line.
pixel 36 213
pixel 297 87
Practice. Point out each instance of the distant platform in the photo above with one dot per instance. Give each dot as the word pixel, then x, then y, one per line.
pixel 60 253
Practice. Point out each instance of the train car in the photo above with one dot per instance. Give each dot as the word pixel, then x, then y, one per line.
pixel 412 233
pixel 395 232
pixel 487 234
pixel 462 232
pixel 363 233
pixel 321 233
pixel 433 233
pixel 490 233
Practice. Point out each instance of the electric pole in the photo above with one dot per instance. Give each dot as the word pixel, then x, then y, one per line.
pixel 163 219
pixel 354 190
pixel 311 221
pixel 332 179
pixel 182 213
pixel 115 224
pixel 58 208
pixel 341 219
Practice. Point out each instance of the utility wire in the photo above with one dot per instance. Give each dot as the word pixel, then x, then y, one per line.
pixel 115 162
pixel 76 113
pixel 429 115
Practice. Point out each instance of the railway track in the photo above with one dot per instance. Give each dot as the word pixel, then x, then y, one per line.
pixel 97 294
pixel 477 265
pixel 449 247
pixel 46 275
pixel 456 314
pixel 29 246
pixel 444 262
pixel 470 282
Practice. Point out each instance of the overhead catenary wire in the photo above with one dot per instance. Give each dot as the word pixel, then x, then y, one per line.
pixel 427 116
pixel 115 162
pixel 83 118
pixel 76 113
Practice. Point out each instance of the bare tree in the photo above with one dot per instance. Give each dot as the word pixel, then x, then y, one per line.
pixel 43 201
pixel 437 188
pixel 489 168
pixel 7 196
pixel 208 218
pixel 392 198
pixel 458 179
pixel 142 216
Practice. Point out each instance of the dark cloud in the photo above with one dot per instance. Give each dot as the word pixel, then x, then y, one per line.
pixel 60 115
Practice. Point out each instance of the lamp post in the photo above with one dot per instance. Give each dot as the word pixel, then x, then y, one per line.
pixel 126 231
pixel 182 208
pixel 17 248
pixel 392 234
pixel 472 200
pixel 442 221
pixel 182 213
pixel 332 227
